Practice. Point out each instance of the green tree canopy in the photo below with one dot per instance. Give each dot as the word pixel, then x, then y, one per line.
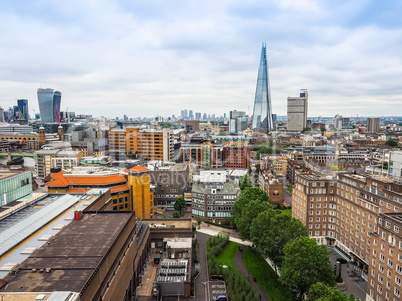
pixel 306 129
pixel 248 194
pixel 249 213
pixel 180 204
pixel 176 214
pixel 321 292
pixel 245 181
pixel 271 232
pixel 305 263
pixel 391 142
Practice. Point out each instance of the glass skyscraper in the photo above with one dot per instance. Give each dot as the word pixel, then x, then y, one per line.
pixel 49 101
pixel 23 108
pixel 56 106
pixel 262 114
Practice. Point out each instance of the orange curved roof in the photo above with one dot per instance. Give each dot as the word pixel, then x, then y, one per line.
pixel 138 169
pixel 61 180
pixel 119 188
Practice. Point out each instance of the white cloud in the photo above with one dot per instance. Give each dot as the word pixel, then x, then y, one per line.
pixel 147 58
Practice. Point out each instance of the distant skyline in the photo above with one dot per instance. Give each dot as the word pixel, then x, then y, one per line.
pixel 111 58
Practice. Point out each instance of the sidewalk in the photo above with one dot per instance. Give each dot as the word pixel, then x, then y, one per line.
pixel 241 267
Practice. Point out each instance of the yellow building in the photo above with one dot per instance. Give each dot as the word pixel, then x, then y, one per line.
pixel 280 165
pixel 139 181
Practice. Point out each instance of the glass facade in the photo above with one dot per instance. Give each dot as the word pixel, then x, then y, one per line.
pixel 49 104
pixel 56 106
pixel 262 113
pixel 14 186
pixel 23 108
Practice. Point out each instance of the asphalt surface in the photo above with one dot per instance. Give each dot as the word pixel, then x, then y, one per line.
pixel 287 197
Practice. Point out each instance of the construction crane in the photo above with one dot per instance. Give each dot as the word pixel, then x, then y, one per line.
pixel 58 114
pixel 360 125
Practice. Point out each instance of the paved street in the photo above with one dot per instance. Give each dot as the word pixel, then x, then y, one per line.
pixel 353 285
pixel 287 197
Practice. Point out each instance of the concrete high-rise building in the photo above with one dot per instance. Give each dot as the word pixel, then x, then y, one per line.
pixel 373 125
pixel 262 114
pixel 49 105
pixel 297 112
pixel 237 121
pixel 338 122
pixel 23 108
pixel 191 115
pixel 1 114
pixel 147 144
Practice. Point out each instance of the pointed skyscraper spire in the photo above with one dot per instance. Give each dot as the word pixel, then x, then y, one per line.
pixel 262 113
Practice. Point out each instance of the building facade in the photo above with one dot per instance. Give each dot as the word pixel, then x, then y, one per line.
pixel 347 213
pixel 213 196
pixel 205 154
pixel 297 112
pixel 147 144
pixel 49 105
pixel 373 125
pixel 14 185
pixel 139 181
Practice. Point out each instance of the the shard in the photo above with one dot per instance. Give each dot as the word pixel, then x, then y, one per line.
pixel 262 114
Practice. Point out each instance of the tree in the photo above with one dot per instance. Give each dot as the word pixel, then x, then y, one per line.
pixel 180 204
pixel 321 292
pixel 245 182
pixel 270 142
pixel 176 214
pixel 305 263
pixel 391 142
pixel 199 220
pixel 306 129
pixel 323 129
pixel 277 151
pixel 249 213
pixel 272 232
pixel 248 194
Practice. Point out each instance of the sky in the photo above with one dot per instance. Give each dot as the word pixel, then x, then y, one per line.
pixel 150 58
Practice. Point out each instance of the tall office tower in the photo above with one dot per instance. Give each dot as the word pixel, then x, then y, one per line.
pixel 184 114
pixel 338 121
pixel 23 107
pixel 49 104
pixel 237 121
pixel 274 119
pixel 262 114
pixel 297 112
pixel 191 115
pixel 56 106
pixel 373 125
pixel 1 114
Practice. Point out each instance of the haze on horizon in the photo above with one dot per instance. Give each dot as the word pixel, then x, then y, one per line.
pixel 158 57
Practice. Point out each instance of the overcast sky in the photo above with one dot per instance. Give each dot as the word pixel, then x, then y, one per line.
pixel 148 58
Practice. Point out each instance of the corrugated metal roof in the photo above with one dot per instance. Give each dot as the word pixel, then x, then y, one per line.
pixel 60 296
pixel 21 230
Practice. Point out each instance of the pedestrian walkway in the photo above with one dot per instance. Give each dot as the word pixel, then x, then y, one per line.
pixel 241 267
pixel 214 231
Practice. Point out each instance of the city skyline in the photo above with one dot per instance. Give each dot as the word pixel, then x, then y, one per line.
pixel 113 57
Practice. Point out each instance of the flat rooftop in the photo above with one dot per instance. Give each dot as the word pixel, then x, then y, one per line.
pixel 155 223
pixel 4 174
pixel 72 255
